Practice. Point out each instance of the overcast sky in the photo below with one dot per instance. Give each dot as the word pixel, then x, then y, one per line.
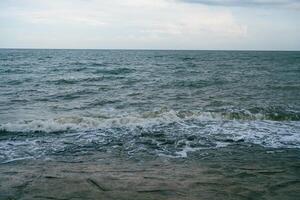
pixel 151 24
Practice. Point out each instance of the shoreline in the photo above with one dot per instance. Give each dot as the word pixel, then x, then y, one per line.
pixel 110 176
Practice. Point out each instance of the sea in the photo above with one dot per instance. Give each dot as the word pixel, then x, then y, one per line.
pixel 148 103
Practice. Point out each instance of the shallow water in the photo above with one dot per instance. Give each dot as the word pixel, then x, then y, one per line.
pixel 235 172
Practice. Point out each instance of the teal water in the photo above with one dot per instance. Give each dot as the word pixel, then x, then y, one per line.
pixel 159 103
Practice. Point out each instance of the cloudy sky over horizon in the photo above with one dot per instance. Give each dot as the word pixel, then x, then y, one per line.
pixel 151 24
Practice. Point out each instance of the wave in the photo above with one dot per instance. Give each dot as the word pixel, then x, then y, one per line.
pixel 272 116
pixel 76 123
pixel 104 74
pixel 163 116
pixel 117 71
pixel 163 133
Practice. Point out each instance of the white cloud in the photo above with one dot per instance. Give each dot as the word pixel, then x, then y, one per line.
pixel 248 3
pixel 133 20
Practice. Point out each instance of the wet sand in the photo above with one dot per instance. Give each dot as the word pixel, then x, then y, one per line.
pixel 104 176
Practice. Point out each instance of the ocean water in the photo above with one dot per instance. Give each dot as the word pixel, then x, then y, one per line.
pixel 160 103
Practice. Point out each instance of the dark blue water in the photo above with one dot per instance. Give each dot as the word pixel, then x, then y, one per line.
pixel 163 103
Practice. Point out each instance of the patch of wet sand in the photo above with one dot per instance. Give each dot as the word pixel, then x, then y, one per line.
pixel 111 177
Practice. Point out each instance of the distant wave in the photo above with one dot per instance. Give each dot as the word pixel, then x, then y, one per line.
pixel 116 71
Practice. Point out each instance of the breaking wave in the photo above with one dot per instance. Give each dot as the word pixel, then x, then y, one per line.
pixel 163 133
pixel 77 123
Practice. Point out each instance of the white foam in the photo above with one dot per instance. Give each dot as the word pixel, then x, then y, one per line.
pixel 76 123
pixel 184 152
pixel 262 132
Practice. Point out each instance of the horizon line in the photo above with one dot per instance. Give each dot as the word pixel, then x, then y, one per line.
pixel 143 49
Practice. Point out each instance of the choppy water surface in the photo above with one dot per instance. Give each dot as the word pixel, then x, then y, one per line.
pixel 161 103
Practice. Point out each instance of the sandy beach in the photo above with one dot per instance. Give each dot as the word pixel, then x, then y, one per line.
pixel 107 176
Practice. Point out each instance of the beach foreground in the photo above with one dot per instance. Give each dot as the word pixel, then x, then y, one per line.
pixel 238 175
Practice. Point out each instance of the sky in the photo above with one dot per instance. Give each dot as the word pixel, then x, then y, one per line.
pixel 151 24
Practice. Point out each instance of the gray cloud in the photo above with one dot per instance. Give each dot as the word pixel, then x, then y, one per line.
pixel 248 3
